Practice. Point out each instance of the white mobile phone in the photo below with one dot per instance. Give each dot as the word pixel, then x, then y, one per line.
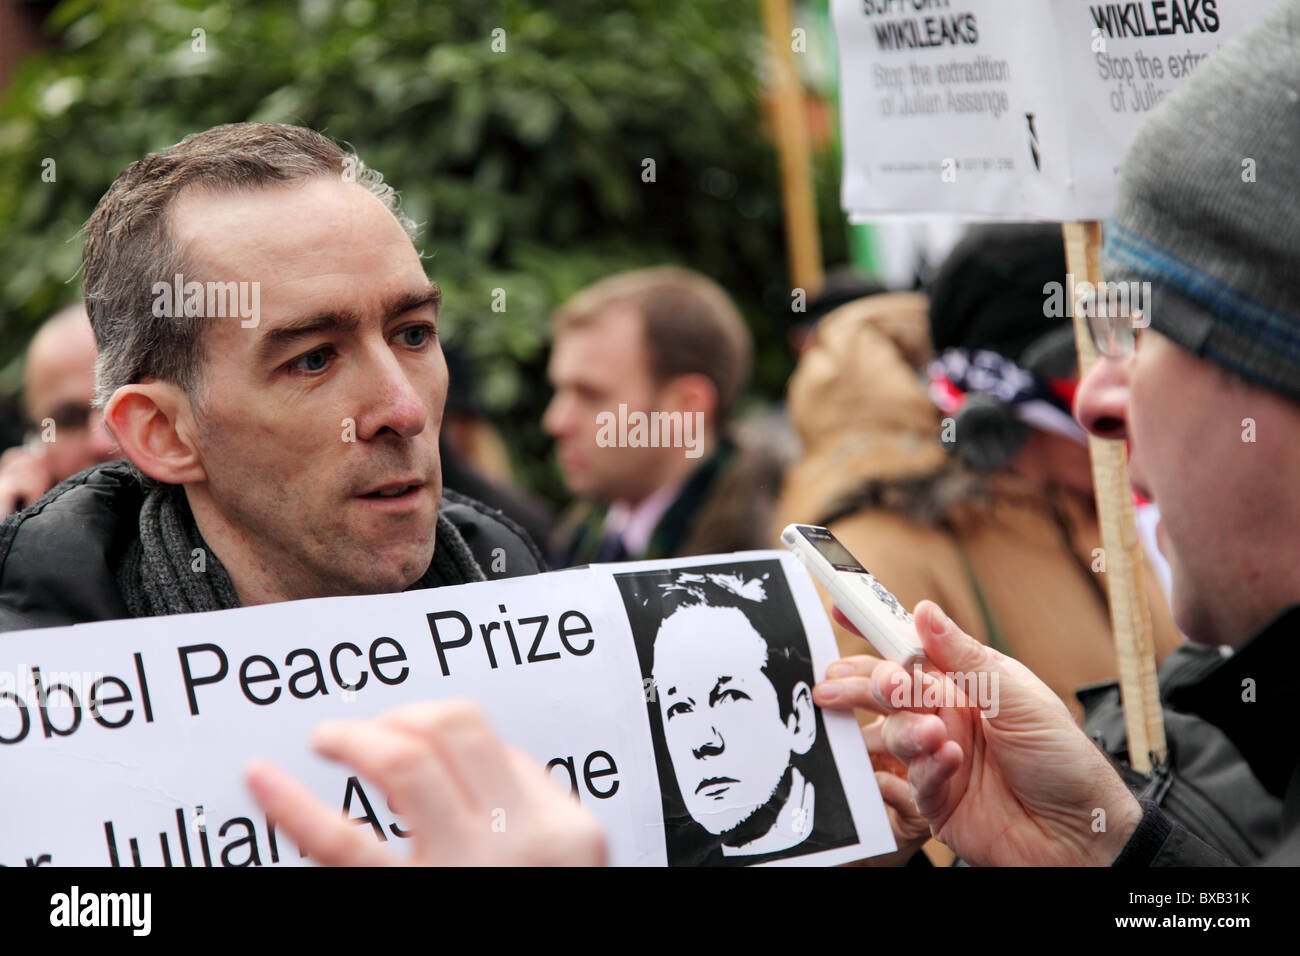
pixel 864 600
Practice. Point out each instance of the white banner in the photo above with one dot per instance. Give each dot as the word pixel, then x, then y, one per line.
pixel 1008 109
pixel 671 696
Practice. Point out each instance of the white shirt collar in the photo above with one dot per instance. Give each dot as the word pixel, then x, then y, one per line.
pixel 636 525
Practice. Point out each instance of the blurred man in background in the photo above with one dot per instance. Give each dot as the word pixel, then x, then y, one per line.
pixel 647 368
pixel 58 386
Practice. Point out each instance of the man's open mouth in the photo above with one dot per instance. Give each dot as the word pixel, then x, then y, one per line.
pixel 715 786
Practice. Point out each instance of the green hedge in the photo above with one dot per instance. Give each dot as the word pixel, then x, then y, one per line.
pixel 524 166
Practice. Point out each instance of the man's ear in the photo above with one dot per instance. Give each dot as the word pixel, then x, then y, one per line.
pixel 802 721
pixel 693 393
pixel 154 424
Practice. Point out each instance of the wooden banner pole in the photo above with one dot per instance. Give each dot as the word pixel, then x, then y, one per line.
pixel 1130 617
pixel 793 151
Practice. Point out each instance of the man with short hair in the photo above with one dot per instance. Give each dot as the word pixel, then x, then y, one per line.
pixel 647 368
pixel 289 451
pixel 58 389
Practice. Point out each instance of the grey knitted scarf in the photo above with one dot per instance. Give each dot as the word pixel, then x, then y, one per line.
pixel 169 569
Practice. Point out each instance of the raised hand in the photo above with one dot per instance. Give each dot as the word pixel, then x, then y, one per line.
pixel 1017 784
pixel 468 799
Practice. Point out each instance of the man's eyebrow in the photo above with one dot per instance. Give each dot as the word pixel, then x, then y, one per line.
pixel 410 301
pixel 276 339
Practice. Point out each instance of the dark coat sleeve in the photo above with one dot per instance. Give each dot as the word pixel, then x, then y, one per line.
pixel 1158 841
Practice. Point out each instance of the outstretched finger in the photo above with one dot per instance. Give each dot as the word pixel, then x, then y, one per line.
pixel 848 693
pixel 320 832
pixel 859 665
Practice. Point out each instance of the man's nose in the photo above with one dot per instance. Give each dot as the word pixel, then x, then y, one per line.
pixel 394 403
pixel 1101 401
pixel 557 417
pixel 710 747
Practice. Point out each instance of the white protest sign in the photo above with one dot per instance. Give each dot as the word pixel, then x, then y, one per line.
pixel 936 104
pixel 137 756
pixel 1008 109
pixel 1113 63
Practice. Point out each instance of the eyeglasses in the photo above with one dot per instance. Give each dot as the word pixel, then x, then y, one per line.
pixel 1115 336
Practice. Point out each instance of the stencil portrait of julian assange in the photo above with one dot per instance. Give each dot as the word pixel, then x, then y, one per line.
pixel 745 767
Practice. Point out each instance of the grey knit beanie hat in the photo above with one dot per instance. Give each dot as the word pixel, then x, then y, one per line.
pixel 1208 208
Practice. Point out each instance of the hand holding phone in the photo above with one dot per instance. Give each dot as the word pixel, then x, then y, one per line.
pixel 864 601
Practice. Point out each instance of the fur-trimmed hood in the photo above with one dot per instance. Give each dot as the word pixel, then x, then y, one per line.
pixel 870 432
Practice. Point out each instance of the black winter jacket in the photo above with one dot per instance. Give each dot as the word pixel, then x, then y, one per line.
pixel 1206 785
pixel 1250 698
pixel 59 557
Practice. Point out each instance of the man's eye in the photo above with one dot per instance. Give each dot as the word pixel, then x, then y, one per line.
pixel 678 708
pixel 732 694
pixel 314 361
pixel 417 336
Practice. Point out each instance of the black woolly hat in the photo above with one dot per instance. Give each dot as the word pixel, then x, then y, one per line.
pixel 988 294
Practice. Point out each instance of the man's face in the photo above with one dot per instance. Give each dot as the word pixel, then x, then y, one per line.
pixel 594 368
pixel 60 386
pixel 722 724
pixel 336 394
pixel 1184 420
